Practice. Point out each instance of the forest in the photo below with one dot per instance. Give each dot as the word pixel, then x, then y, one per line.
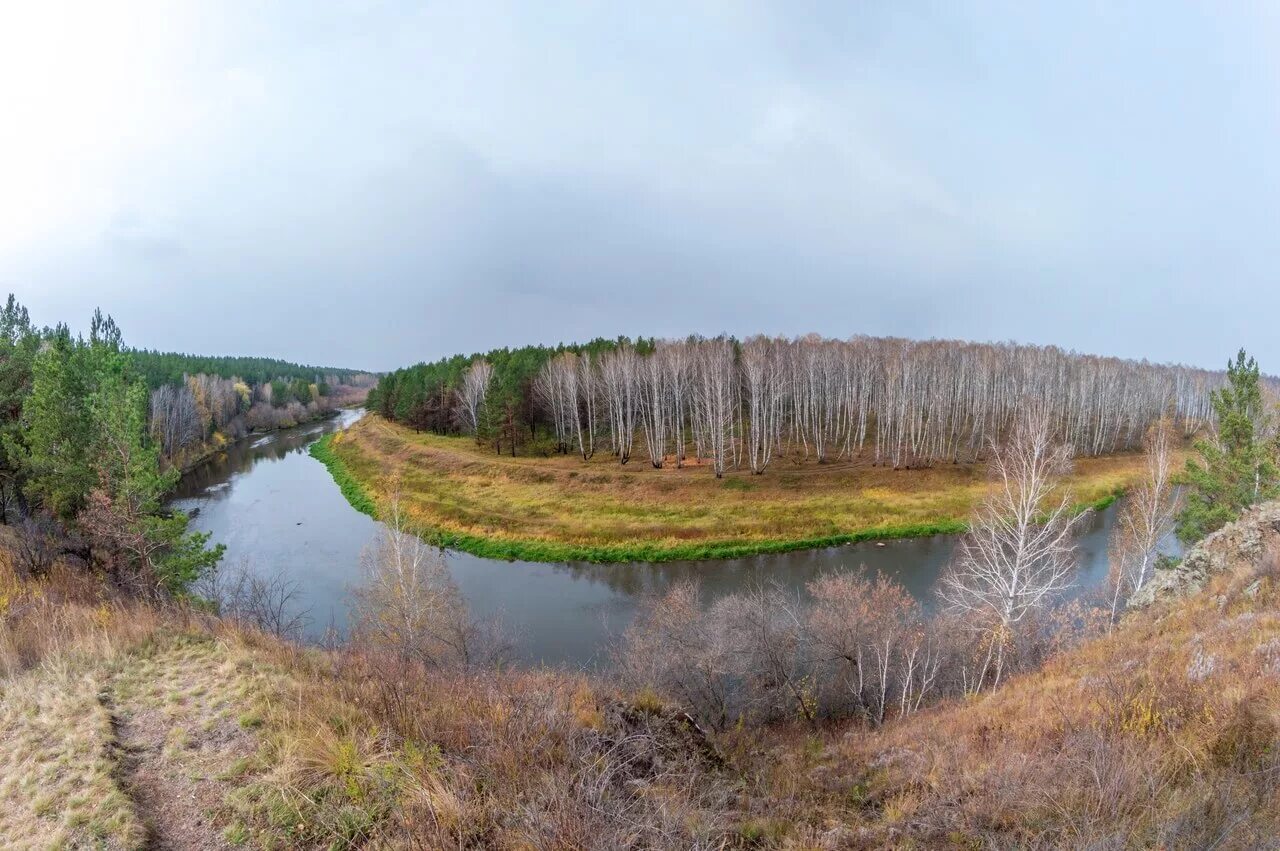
pixel 198 402
pixel 738 404
pixel 94 435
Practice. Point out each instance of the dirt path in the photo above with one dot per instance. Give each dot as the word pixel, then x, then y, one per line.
pixel 181 743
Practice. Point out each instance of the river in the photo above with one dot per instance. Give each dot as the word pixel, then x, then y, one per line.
pixel 277 510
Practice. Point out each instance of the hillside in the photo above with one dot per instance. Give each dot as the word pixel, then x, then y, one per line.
pixel 124 726
pixel 564 508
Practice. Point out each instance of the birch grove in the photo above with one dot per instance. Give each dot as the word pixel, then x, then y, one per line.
pixel 893 402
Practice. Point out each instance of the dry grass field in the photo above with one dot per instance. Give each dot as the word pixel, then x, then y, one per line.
pixel 562 508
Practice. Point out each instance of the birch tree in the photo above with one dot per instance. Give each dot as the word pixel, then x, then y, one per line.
pixel 619 383
pixel 1019 551
pixel 1146 517
pixel 408 603
pixel 715 400
pixel 654 406
pixel 475 386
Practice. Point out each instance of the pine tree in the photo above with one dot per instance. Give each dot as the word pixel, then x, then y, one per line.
pixel 55 421
pixel 1237 468
pixel 18 346
pixel 92 462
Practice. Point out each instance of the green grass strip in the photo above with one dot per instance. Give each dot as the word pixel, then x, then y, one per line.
pixel 322 451
pixel 550 551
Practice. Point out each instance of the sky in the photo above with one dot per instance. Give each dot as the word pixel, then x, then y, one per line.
pixel 372 184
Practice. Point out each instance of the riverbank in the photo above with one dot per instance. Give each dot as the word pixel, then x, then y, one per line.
pixel 193 456
pixel 555 509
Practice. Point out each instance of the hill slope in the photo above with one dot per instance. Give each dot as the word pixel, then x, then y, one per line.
pixel 123 726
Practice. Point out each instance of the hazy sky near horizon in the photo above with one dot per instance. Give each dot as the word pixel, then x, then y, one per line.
pixel 376 183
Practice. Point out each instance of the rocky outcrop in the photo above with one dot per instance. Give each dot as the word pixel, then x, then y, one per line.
pixel 1242 544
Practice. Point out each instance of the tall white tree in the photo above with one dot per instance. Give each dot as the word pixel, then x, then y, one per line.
pixel 619 382
pixel 655 413
pixel 475 386
pixel 716 401
pixel 408 603
pixel 1146 517
pixel 1020 548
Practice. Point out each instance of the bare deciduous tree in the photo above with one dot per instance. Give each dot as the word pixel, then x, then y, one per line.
pixel 268 602
pixel 1020 550
pixel 715 401
pixel 870 639
pixel 764 630
pixel 409 604
pixel 619 381
pixel 35 545
pixel 1146 518
pixel 672 645
pixel 475 386
pixel 654 406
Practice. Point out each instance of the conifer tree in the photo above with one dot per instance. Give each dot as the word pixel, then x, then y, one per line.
pixel 1237 467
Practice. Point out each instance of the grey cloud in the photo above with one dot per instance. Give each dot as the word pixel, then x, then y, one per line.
pixel 380 183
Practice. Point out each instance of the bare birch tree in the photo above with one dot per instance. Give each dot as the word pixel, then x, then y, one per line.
pixel 619 383
pixel 1020 550
pixel 654 406
pixel 408 603
pixel 1146 518
pixel 475 386
pixel 715 400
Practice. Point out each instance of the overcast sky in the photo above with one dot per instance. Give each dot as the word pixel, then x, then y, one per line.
pixel 373 184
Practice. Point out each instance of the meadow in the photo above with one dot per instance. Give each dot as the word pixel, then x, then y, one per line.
pixel 561 508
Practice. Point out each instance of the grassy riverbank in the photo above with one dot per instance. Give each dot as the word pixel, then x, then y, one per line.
pixel 564 509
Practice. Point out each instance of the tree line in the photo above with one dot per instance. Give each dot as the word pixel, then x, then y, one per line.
pixel 740 404
pixel 81 473
pixel 858 645
pixel 160 368
pixel 195 400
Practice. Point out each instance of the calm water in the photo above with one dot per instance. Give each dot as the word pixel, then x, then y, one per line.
pixel 277 509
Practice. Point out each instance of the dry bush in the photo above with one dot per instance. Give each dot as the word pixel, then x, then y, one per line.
pixel 875 650
pixel 268 602
pixel 672 646
pixel 769 651
pixel 409 605
pixel 35 545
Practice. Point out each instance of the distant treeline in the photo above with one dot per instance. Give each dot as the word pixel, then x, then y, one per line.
pixel 159 368
pixel 197 401
pixel 741 402
pixel 428 396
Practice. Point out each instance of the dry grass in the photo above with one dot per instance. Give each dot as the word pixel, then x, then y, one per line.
pixel 1165 734
pixel 563 507
pixel 57 764
pixel 125 726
